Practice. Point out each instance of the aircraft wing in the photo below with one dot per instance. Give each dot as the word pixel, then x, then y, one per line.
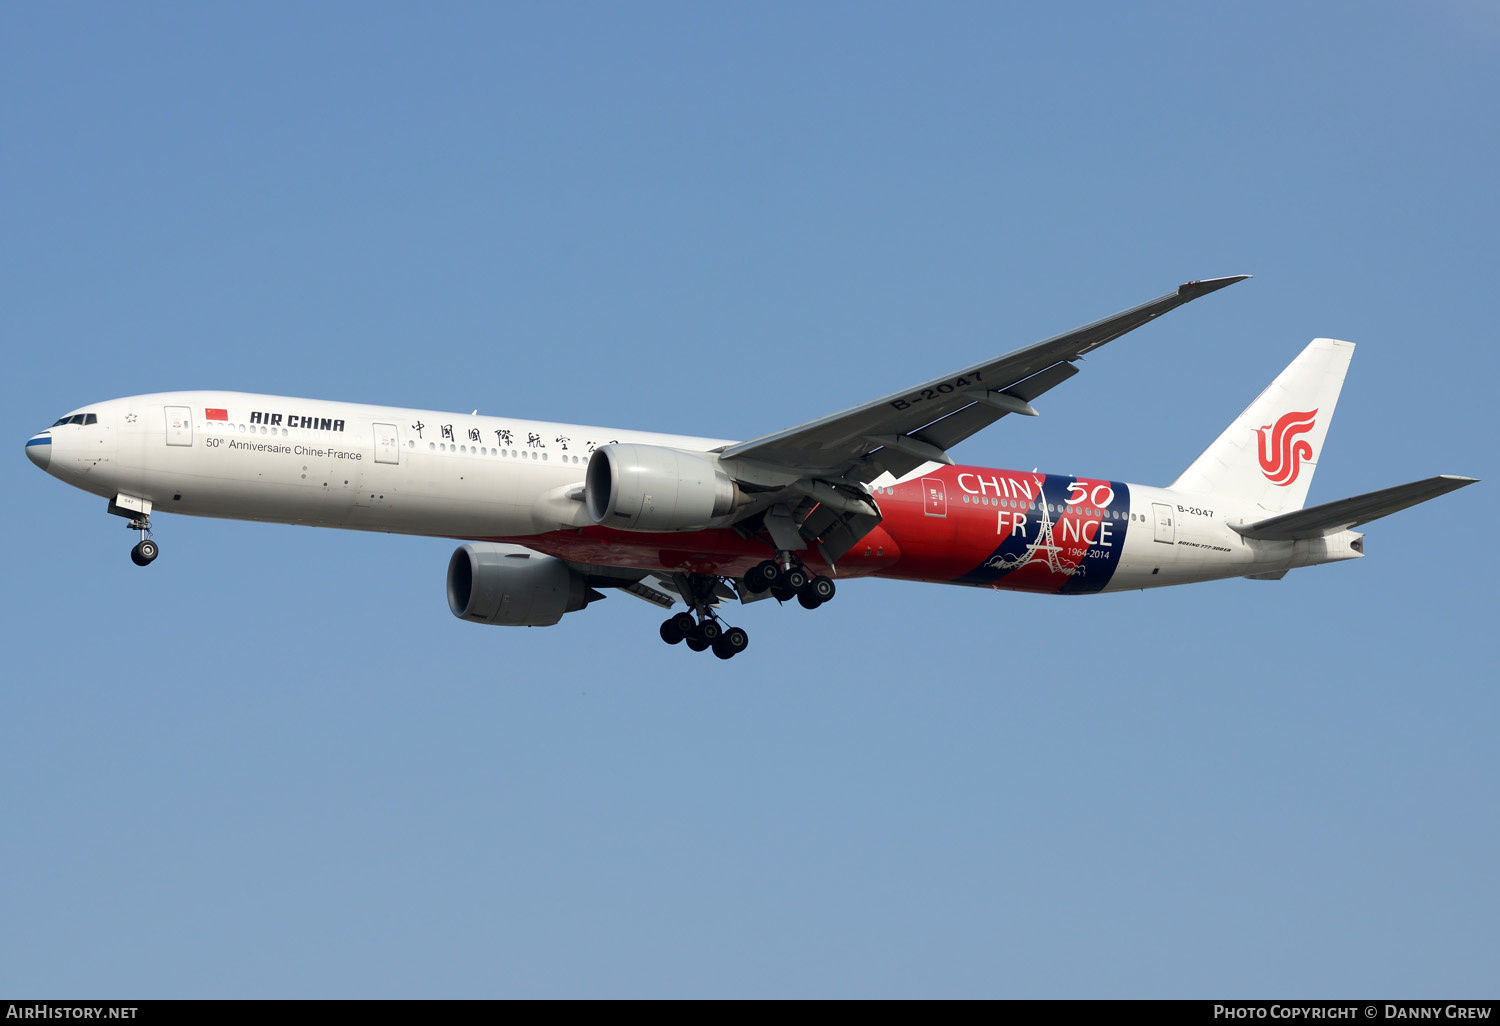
pixel 905 429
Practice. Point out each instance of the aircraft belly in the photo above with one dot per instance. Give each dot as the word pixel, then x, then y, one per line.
pixel 952 525
pixel 720 552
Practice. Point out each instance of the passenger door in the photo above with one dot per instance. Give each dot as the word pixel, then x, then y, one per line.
pixel 387 444
pixel 1166 528
pixel 179 425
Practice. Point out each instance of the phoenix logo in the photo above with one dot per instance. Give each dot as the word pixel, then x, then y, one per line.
pixel 1280 456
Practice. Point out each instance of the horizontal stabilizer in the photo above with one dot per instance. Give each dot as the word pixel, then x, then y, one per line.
pixel 1332 517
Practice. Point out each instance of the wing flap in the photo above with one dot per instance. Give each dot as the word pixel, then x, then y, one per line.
pixel 1332 517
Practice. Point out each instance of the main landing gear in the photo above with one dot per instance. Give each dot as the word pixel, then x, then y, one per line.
pixel 727 642
pixel 705 630
pixel 701 627
pixel 791 581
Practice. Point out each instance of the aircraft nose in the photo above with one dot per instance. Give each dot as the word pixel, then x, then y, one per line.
pixel 39 448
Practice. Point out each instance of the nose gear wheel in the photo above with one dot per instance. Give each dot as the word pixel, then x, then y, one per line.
pixel 145 550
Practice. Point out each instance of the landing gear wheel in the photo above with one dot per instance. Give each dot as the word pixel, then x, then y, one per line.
pixel 669 632
pixel 770 570
pixel 821 588
pixel 782 591
pixel 731 643
pixel 703 635
pixel 755 580
pixel 144 552
pixel 795 579
pixel 808 600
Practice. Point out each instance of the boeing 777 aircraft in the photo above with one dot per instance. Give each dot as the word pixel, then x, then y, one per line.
pixel 553 513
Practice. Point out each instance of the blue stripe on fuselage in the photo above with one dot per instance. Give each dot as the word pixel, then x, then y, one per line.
pixel 1091 573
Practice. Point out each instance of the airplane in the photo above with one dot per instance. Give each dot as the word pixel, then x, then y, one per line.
pixel 553 515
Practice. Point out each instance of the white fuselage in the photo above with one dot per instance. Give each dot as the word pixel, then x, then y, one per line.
pixel 375 468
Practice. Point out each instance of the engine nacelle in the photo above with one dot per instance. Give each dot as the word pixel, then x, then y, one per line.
pixel 653 488
pixel 513 586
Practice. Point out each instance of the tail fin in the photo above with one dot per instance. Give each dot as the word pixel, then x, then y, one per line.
pixel 1267 457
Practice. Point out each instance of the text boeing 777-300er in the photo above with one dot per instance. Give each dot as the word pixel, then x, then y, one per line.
pixel 554 512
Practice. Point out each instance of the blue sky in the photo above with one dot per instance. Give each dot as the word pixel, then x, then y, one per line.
pixel 275 765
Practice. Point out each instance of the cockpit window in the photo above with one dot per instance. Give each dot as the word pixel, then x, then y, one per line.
pixel 78 418
pixel 60 423
pixel 90 418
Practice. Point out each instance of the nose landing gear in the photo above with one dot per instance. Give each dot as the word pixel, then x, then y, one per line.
pixel 145 550
pixel 138 512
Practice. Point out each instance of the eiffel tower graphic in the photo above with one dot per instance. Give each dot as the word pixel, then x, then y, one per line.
pixel 1040 551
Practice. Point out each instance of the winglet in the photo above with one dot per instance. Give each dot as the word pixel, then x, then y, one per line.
pixel 1194 289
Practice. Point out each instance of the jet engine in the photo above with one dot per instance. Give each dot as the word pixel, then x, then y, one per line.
pixel 513 586
pixel 653 488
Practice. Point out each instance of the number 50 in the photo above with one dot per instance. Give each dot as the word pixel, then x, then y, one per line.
pixel 1101 495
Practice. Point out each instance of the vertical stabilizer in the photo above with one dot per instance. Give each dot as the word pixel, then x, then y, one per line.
pixel 1267 457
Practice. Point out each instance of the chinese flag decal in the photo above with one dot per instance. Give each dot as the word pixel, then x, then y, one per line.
pixel 216 414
